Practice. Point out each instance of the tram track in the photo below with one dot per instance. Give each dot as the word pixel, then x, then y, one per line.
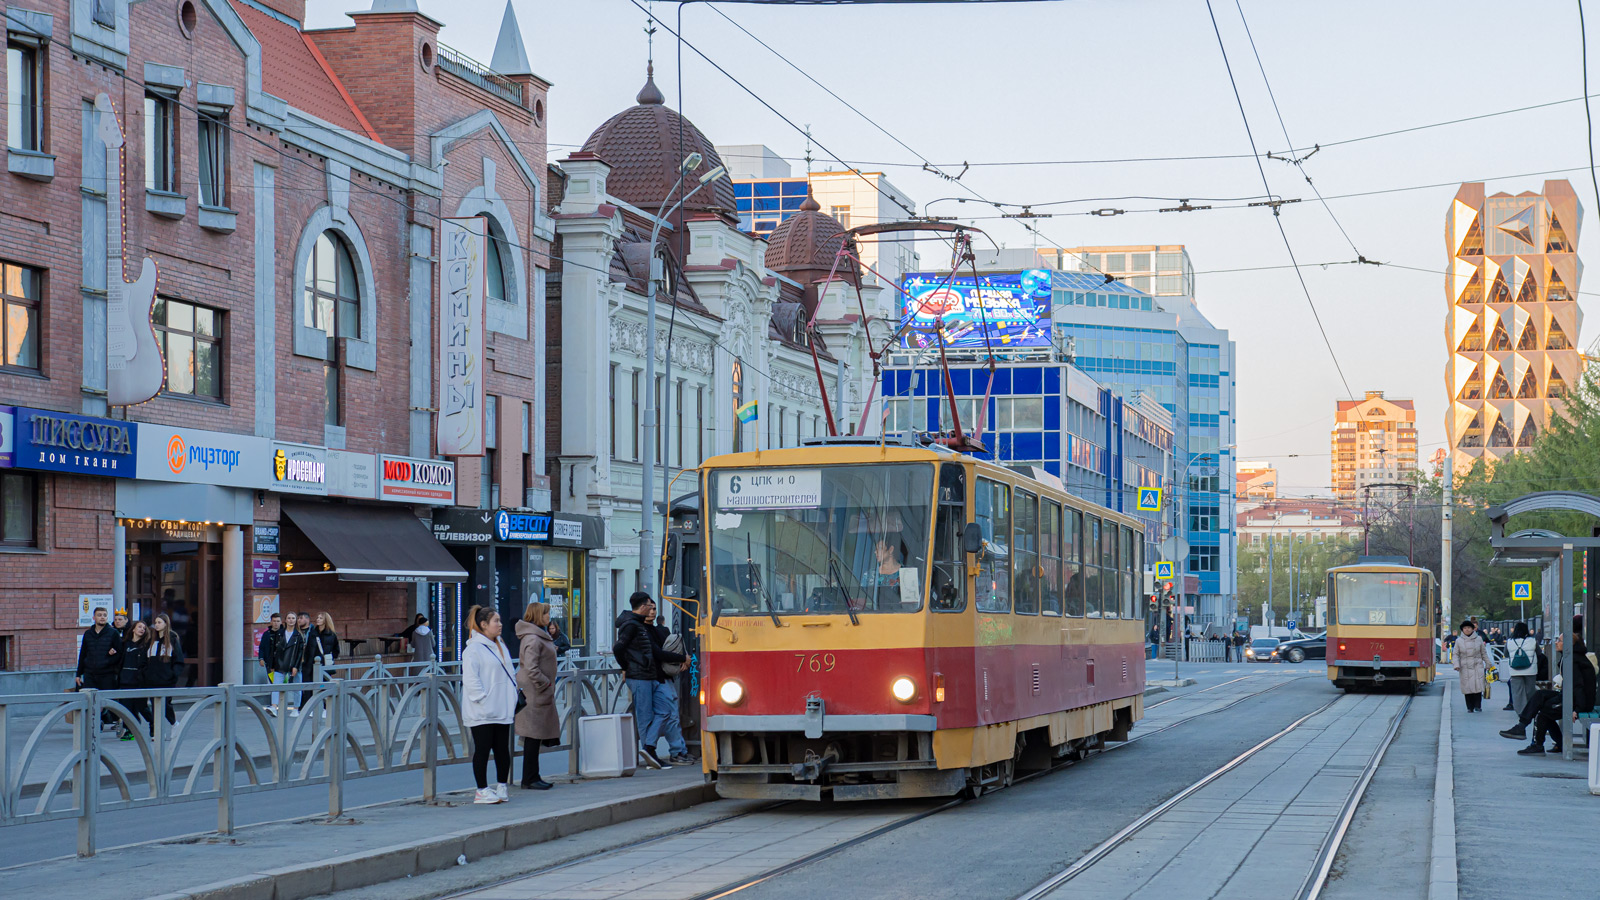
pixel 742 884
pixel 1316 877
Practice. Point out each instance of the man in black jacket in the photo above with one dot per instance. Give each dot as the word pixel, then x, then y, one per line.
pixel 634 647
pixel 269 652
pixel 100 658
pixel 1544 707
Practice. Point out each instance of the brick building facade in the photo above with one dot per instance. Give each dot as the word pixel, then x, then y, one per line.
pixel 294 184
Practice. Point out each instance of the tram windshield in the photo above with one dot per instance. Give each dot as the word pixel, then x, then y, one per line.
pixel 1377 598
pixel 820 541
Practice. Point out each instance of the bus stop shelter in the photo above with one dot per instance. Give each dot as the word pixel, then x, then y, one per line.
pixel 1552 554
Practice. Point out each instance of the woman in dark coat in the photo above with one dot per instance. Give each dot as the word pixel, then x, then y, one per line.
pixel 135 652
pixel 163 663
pixel 322 646
pixel 537 723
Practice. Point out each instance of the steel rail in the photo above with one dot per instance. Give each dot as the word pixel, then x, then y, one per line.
pixel 1317 878
pixel 1085 862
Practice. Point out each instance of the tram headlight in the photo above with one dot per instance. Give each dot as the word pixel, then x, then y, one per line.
pixel 904 689
pixel 731 692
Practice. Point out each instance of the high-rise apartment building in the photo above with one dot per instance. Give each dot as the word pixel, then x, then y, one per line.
pixel 1374 446
pixel 1255 482
pixel 1512 328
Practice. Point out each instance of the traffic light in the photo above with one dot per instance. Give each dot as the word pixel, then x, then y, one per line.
pixel 1154 603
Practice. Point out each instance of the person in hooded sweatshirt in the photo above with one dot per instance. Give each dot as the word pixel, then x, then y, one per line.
pixel 537 723
pixel 489 702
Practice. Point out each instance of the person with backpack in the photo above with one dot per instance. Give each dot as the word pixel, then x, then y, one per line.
pixel 268 653
pixel 668 646
pixel 1519 666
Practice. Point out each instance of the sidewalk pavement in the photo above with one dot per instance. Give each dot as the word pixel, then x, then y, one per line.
pixel 1525 825
pixel 306 857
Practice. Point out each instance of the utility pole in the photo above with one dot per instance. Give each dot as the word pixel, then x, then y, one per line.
pixel 1271 564
pixel 1445 560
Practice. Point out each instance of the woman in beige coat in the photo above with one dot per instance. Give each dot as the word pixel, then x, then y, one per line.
pixel 537 723
pixel 1472 663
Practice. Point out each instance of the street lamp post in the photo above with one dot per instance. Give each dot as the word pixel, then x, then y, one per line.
pixel 647 529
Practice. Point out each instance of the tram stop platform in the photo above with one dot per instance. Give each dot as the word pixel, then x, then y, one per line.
pixel 1523 824
pixel 385 842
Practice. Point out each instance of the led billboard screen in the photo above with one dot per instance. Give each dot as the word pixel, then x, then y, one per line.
pixel 1002 311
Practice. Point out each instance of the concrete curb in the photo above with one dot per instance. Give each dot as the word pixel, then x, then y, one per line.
pixel 1169 683
pixel 1442 883
pixel 431 854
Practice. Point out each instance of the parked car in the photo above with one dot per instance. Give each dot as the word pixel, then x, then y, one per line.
pixel 1300 649
pixel 1262 650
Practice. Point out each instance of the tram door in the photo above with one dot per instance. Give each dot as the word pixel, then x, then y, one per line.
pixel 682 574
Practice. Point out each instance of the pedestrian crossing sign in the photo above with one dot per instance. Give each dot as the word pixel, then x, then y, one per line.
pixel 1522 590
pixel 1149 499
pixel 1163 570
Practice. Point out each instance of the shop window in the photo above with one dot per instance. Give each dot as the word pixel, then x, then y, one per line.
pixel 332 305
pixel 24 93
pixel 159 170
pixel 19 327
pixel 191 342
pixel 19 509
pixel 213 134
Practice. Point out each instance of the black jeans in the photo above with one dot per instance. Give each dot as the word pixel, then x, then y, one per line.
pixel 494 737
pixel 104 681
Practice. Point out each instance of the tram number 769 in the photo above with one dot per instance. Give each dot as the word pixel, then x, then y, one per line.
pixel 816 662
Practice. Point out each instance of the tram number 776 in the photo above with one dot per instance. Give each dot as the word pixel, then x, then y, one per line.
pixel 816 662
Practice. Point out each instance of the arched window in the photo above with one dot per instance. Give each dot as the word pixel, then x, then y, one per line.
pixel 333 295
pixel 499 267
pixel 333 307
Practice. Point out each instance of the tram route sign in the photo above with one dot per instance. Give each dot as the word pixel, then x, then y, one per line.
pixel 1149 499
pixel 769 489
pixel 1522 590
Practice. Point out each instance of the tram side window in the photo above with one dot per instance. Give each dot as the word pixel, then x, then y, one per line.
pixel 1025 553
pixel 1129 566
pixel 1091 563
pixel 949 563
pixel 1110 581
pixel 1072 562
pixel 1050 557
pixel 994 565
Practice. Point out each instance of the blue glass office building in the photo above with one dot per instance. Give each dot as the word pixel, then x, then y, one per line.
pixel 1155 354
pixel 766 202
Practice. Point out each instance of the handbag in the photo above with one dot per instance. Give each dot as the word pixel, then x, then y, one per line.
pixel 521 700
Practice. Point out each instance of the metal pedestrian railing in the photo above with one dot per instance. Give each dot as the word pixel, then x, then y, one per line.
pixel 356 720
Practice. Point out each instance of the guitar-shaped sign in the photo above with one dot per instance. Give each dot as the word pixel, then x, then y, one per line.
pixel 134 368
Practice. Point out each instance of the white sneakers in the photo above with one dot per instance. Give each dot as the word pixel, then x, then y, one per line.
pixel 495 793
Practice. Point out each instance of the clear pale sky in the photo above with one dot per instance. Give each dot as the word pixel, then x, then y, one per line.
pixel 1099 80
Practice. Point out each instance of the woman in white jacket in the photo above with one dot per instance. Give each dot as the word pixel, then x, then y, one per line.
pixel 1520 666
pixel 489 702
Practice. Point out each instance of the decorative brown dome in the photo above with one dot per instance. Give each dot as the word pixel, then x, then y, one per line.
pixel 641 144
pixel 806 243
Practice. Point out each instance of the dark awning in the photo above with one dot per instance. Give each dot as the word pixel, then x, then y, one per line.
pixel 366 543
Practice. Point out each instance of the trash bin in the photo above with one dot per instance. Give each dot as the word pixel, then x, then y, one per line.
pixel 606 746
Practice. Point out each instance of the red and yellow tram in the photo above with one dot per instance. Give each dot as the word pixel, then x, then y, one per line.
pixel 887 620
pixel 1381 624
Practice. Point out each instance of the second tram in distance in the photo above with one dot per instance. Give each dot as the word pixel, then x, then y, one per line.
pixel 1381 624
pixel 881 620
